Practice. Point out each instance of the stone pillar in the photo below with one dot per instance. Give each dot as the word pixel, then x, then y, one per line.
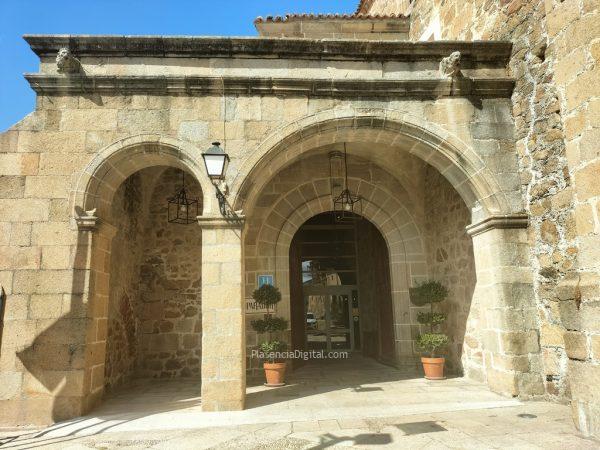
pixel 504 293
pixel 223 328
pixel 93 256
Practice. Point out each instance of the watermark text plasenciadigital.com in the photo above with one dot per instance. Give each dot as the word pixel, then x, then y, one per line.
pixel 300 354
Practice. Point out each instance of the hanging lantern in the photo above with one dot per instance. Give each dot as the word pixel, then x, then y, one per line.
pixel 181 208
pixel 347 206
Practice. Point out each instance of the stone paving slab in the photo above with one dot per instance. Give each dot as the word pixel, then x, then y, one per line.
pixel 404 413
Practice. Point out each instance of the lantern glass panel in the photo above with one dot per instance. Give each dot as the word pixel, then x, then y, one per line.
pixel 215 164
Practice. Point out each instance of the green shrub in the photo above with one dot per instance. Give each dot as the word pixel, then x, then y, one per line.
pixel 431 318
pixel 428 292
pixel 269 324
pixel 267 295
pixel 430 342
pixel 270 347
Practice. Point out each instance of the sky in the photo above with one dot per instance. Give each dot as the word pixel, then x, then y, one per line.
pixel 164 17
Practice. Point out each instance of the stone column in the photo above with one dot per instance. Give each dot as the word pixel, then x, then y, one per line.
pixel 223 329
pixel 504 293
pixel 93 256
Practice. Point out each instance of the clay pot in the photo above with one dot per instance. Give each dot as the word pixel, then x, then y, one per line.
pixel 275 373
pixel 434 368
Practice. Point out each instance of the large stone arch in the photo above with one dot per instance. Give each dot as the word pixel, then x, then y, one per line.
pixel 504 286
pixel 457 161
pixel 100 179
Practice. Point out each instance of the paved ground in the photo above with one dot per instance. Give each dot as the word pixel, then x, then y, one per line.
pixel 325 405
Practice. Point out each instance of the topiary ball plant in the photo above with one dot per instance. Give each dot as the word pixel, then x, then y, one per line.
pixel 268 296
pixel 430 342
pixel 430 293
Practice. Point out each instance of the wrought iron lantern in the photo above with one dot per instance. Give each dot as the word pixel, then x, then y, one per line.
pixel 181 208
pixel 347 206
pixel 216 162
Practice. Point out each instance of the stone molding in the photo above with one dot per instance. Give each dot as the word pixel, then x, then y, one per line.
pixel 93 224
pixel 497 52
pixel 498 222
pixel 199 85
pixel 219 222
pixel 87 223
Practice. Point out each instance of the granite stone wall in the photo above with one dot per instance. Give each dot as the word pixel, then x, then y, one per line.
pixel 154 322
pixel 555 61
pixel 170 287
pixel 450 261
pixel 128 214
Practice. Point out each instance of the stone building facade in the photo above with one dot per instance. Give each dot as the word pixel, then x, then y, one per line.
pixel 478 169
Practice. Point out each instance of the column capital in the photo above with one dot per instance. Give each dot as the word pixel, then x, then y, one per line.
pixel 498 222
pixel 220 222
pixel 95 224
pixel 87 223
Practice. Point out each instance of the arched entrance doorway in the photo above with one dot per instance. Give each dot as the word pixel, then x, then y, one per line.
pixel 340 290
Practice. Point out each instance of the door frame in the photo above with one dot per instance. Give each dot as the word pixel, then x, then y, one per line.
pixel 345 289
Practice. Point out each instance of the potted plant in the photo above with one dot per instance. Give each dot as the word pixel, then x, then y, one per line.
pixel 430 293
pixel 268 296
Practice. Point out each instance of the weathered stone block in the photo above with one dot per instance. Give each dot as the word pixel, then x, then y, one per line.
pixel 518 342
pixel 47 187
pixel 19 163
pixel 10 384
pixel 45 306
pixel 63 163
pixel 24 210
pixel 502 382
pixel 142 120
pixel 53 233
pixel 576 345
pixel 551 335
pixel 88 119
pixel 43 282
pixel 12 186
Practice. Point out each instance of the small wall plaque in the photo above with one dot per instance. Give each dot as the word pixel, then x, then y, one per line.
pixel 265 279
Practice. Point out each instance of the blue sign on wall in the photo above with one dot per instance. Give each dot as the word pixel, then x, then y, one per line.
pixel 265 279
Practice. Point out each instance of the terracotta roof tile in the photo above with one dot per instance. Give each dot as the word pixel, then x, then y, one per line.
pixel 354 16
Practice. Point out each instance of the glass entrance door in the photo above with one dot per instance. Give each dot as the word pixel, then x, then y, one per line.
pixel 329 318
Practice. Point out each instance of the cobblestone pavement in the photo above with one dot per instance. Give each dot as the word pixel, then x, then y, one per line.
pixel 323 406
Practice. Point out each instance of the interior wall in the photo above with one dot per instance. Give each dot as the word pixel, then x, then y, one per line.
pixel 170 287
pixel 128 214
pixel 450 260
pixel 154 320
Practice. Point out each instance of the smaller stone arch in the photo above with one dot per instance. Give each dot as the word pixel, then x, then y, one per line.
pixel 390 214
pixel 100 179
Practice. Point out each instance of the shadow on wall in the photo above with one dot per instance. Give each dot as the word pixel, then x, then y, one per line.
pixel 56 358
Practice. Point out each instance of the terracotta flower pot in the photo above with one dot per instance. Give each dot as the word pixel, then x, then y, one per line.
pixel 275 373
pixel 434 368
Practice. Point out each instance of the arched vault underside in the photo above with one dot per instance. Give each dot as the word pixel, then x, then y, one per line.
pixel 459 163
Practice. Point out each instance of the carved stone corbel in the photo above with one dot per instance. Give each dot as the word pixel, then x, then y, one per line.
pixel 450 65
pixel 66 62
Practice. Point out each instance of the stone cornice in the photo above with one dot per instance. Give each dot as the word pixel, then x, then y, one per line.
pixel 498 222
pixel 495 52
pixel 199 85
